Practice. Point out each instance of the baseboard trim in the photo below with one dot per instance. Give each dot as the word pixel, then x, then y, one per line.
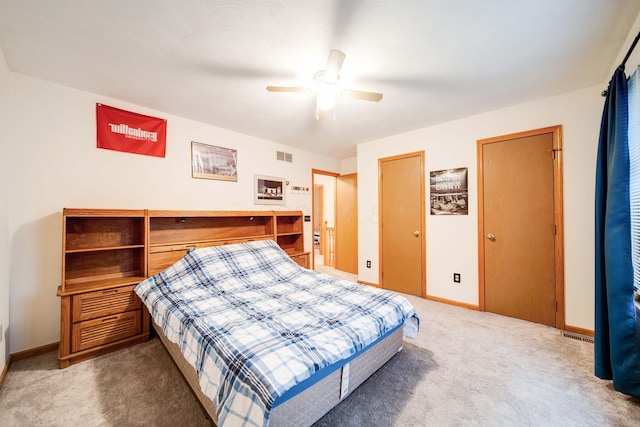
pixel 4 371
pixel 452 302
pixel 581 331
pixel 34 351
pixel 24 355
pixel 432 298
pixel 375 285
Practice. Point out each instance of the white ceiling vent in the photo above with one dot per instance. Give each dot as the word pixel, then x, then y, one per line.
pixel 285 157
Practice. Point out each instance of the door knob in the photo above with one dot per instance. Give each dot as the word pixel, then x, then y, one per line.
pixel 416 233
pixel 491 237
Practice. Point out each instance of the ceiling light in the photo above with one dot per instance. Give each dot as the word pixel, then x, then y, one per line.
pixel 327 87
pixel 325 102
pixel 327 94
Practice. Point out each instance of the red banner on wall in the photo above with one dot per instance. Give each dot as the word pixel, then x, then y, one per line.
pixel 131 132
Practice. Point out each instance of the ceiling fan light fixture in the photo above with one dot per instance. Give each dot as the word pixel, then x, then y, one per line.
pixel 325 101
pixel 326 95
pixel 327 87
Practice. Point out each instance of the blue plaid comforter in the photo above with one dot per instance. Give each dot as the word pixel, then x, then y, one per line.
pixel 254 324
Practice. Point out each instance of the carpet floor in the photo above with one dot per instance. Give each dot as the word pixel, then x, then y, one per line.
pixel 466 368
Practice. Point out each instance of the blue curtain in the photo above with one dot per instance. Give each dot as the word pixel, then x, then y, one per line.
pixel 617 345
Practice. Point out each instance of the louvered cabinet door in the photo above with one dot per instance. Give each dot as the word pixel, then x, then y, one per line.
pixel 92 333
pixel 92 305
pixel 104 316
pixel 302 259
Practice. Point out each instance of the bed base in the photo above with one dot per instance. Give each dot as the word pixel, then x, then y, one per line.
pixel 311 404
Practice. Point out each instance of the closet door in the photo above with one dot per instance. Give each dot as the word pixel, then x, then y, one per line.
pixel 518 223
pixel 402 210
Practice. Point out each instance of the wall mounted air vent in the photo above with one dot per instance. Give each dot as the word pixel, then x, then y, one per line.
pixel 285 157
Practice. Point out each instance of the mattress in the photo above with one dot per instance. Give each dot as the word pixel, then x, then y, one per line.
pixel 256 327
pixel 310 404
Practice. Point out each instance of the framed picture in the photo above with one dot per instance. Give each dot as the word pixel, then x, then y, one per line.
pixel 269 190
pixel 211 162
pixel 449 192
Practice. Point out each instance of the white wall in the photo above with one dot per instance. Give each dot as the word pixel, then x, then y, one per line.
pixel 56 165
pixel 452 244
pixel 5 253
pixel 349 166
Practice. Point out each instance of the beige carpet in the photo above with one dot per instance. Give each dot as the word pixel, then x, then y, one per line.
pixel 466 369
pixel 341 274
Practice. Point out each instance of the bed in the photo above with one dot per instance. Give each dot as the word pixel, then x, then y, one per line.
pixel 265 342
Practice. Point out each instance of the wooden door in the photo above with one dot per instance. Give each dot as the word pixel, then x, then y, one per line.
pixel 518 223
pixel 347 223
pixel 402 206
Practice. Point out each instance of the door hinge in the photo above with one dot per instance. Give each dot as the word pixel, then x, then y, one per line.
pixel 553 150
pixel 555 231
pixel 556 306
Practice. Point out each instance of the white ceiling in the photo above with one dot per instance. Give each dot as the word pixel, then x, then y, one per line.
pixel 210 61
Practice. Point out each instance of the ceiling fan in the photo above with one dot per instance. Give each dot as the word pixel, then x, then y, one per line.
pixel 327 87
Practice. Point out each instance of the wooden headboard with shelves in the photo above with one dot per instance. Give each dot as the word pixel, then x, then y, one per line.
pixel 173 233
pixel 106 252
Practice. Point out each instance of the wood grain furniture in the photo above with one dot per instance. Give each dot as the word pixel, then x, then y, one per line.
pixel 290 237
pixel 106 252
pixel 103 258
pixel 172 233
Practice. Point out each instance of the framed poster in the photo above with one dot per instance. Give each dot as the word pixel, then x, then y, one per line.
pixel 269 190
pixel 449 192
pixel 211 162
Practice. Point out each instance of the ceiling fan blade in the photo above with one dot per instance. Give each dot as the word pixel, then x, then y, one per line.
pixel 326 87
pixel 287 89
pixel 365 96
pixel 334 64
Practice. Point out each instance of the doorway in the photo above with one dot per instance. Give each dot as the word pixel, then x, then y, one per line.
pixel 335 223
pixel 401 223
pixel 520 232
pixel 324 218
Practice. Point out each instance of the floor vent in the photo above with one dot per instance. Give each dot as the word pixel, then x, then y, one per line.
pixel 285 157
pixel 578 337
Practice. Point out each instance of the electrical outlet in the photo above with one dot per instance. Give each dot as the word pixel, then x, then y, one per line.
pixel 456 277
pixel 368 264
